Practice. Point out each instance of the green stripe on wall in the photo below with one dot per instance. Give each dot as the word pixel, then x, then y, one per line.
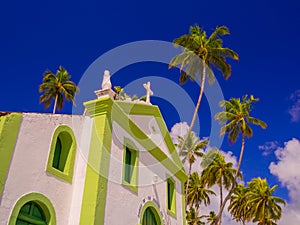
pixel 95 187
pixel 9 129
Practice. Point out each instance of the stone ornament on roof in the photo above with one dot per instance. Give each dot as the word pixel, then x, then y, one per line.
pixel 106 83
pixel 105 87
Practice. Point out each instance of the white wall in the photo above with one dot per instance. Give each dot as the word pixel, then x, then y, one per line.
pixel 27 172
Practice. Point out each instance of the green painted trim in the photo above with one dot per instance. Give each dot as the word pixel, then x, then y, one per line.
pixel 39 199
pixel 98 107
pixel 67 174
pixel 157 213
pixel 137 134
pixel 153 110
pixel 9 129
pixel 95 187
pixel 133 185
pixel 173 210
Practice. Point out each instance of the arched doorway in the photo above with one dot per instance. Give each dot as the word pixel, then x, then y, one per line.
pixel 150 214
pixel 149 217
pixel 33 209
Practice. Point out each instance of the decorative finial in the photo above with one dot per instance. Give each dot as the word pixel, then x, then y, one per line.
pixel 149 92
pixel 106 84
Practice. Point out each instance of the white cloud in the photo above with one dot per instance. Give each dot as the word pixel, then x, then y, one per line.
pixel 287 169
pixel 294 110
pixel 178 129
pixel 268 147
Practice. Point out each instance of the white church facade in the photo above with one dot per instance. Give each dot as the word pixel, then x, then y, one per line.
pixel 114 165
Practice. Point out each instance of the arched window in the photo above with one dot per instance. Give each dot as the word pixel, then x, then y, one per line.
pixel 33 209
pixel 31 214
pixel 62 153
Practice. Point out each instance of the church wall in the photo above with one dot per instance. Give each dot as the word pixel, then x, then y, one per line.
pixel 27 172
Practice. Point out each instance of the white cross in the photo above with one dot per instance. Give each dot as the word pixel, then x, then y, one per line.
pixel 149 91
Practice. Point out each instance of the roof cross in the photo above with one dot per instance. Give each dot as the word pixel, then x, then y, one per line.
pixel 149 92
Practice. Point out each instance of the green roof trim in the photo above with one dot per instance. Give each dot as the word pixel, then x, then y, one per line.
pixel 127 124
pixel 132 108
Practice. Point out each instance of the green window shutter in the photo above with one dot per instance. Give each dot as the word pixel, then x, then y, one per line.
pixel 57 154
pixel 171 197
pixel 170 193
pixel 128 165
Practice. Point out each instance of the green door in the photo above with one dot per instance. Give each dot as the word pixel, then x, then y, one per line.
pixel 149 217
pixel 31 214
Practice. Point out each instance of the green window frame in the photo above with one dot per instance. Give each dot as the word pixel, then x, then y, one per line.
pixel 62 153
pixel 130 166
pixel 171 196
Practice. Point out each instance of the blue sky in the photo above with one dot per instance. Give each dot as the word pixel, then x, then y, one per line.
pixel 37 35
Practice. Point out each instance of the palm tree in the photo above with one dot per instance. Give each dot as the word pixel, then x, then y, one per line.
pixel 197 193
pixel 236 117
pixel 198 55
pixel 190 151
pixel 58 87
pixel 192 218
pixel 209 218
pixel 238 207
pixel 263 206
pixel 218 171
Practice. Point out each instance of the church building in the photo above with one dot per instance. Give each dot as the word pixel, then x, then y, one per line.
pixel 114 165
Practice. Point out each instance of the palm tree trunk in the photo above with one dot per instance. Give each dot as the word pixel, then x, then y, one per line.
pixel 241 158
pixel 197 209
pixel 55 103
pixel 197 106
pixel 221 193
pixel 219 216
pixel 221 199
pixel 187 185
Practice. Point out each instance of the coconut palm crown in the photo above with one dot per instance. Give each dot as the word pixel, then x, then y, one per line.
pixel 237 119
pixel 200 52
pixel 57 87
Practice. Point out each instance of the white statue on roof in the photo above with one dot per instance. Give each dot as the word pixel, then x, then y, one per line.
pixel 106 84
pixel 149 91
